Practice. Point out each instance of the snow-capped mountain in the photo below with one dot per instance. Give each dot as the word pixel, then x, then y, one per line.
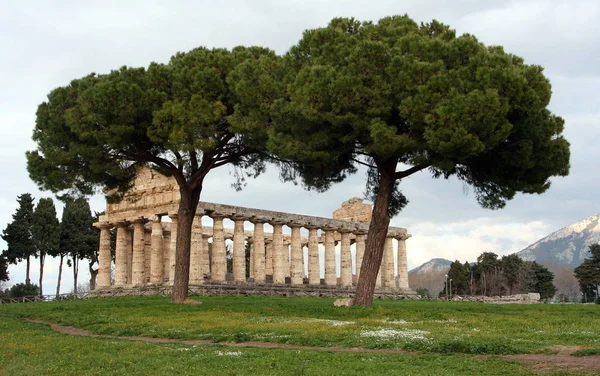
pixel 567 246
pixel 432 265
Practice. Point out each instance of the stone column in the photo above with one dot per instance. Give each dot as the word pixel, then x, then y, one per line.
pixel 330 274
pixel 166 246
pixel 345 259
pixel 250 241
pixel 219 263
pixel 402 263
pixel 156 258
pixel 258 250
pixel 121 254
pixel 314 273
pixel 147 252
pixel 129 232
pixel 196 251
pixel 205 259
pixel 360 251
pixel 378 281
pixel 279 259
pixel 387 266
pixel 172 248
pixel 104 256
pixel 297 265
pixel 239 249
pixel 269 257
pixel 139 256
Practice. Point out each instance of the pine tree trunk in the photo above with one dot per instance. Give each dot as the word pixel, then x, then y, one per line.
pixel 27 280
pixel 378 229
pixel 42 260
pixel 75 272
pixel 93 275
pixel 185 218
pixel 59 275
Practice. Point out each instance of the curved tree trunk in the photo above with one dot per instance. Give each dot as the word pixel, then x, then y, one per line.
pixel 185 218
pixel 42 260
pixel 93 275
pixel 59 275
pixel 378 229
pixel 27 280
pixel 75 272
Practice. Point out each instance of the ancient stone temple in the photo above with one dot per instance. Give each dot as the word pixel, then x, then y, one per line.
pixel 285 249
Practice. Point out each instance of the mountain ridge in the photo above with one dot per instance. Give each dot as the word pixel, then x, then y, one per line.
pixel 567 246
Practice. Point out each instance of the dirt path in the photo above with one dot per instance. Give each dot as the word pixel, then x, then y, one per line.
pixel 562 360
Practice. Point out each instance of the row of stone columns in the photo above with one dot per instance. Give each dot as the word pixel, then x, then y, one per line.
pixel 270 255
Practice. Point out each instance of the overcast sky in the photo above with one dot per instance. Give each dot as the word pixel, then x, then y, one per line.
pixel 45 44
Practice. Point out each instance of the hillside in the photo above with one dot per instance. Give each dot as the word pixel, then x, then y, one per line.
pixel 436 264
pixel 567 246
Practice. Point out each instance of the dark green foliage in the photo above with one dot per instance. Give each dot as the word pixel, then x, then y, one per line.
pixel 460 283
pixel 543 281
pixel 422 96
pixel 78 238
pixel 45 232
pixel 174 118
pixel 18 234
pixel 512 265
pixel 507 276
pixel 4 268
pixel 399 98
pixel 489 272
pixel 588 274
pixel 423 292
pixel 22 289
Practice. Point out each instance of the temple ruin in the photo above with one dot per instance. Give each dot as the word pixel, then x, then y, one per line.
pixel 281 257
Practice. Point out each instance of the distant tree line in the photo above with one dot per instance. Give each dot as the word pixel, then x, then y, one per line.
pixel 491 276
pixel 588 275
pixel 36 232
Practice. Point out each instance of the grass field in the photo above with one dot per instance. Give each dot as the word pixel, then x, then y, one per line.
pixel 444 338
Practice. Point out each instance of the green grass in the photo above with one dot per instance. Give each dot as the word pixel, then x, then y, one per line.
pixel 430 326
pixel 444 335
pixel 587 352
pixel 34 349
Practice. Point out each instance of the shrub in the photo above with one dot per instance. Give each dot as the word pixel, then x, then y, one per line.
pixel 21 289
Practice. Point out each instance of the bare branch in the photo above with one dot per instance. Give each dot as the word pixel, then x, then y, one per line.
pixel 412 170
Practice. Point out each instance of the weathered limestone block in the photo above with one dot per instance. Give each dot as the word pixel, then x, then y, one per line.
pixel 196 251
pixel 330 273
pixel 129 232
pixel 354 210
pixel 387 266
pixel 279 261
pixel 166 247
pixel 402 263
pixel 157 257
pixel 121 254
pixel 139 256
pixel 104 256
pixel 204 259
pixel 360 251
pixel 269 257
pixel 219 263
pixel 345 259
pixel 147 251
pixel 297 255
pixel 314 277
pixel 239 249
pixel 258 250
pixel 345 302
